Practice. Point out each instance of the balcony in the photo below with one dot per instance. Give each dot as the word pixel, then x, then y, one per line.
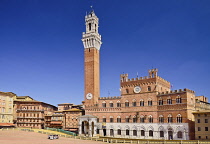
pixel 30 110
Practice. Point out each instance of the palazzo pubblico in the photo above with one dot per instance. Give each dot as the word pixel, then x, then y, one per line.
pixel 147 108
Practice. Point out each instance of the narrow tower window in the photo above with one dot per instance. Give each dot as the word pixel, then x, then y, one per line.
pixel 95 27
pixel 89 26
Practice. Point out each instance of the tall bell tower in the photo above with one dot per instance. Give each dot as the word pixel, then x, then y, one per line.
pixel 92 42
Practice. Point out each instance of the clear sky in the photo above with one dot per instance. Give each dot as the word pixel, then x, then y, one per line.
pixel 41 52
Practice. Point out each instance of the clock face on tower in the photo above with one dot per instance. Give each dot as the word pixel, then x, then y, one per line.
pixel 89 96
pixel 137 89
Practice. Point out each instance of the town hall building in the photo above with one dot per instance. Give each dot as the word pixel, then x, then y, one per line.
pixel 147 107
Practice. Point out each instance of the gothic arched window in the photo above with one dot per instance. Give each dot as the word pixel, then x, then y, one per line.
pixel 111 104
pixel 127 119
pixel 151 133
pixel 142 119
pixel 150 119
pixel 169 100
pixel 119 132
pixel 160 101
pixel 178 99
pixel 111 119
pixel 179 134
pixel 134 119
pixel 103 104
pixel 141 102
pixel 127 132
pixel 149 88
pixel 149 102
pixel 161 119
pixel 170 118
pixel 179 118
pixel 118 119
pixel 134 103
pixel 89 26
pixel 126 103
pixel 134 132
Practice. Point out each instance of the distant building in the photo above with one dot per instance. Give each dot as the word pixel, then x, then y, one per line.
pixel 71 119
pixel 202 125
pixel 6 109
pixel 147 107
pixel 30 113
pixel 64 106
pixel 65 118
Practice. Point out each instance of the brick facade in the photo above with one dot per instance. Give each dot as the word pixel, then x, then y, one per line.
pixel 146 105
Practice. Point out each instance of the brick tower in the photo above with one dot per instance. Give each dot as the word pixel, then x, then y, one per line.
pixel 92 42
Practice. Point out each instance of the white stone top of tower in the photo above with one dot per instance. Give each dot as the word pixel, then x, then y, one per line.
pixel 91 38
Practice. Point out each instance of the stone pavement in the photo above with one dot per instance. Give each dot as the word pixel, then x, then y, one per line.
pixel 24 137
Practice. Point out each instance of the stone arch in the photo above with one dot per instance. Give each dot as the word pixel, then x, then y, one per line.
pixel 169 128
pixel 119 127
pixel 150 128
pixel 161 128
pixel 142 128
pixel 127 127
pixel 111 127
pixel 134 127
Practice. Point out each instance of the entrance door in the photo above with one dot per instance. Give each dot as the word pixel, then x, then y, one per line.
pixel 104 131
pixel 85 128
pixel 111 132
pixel 170 135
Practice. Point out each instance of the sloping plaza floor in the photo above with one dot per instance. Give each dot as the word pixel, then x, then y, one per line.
pixel 24 137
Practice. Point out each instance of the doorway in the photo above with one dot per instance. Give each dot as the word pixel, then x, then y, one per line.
pixel 111 132
pixel 104 132
pixel 170 134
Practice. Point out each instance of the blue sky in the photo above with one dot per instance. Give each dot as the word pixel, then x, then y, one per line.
pixel 42 53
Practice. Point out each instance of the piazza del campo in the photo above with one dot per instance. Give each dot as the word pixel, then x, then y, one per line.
pixel 147 107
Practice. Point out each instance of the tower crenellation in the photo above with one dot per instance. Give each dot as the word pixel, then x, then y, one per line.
pixel 91 38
